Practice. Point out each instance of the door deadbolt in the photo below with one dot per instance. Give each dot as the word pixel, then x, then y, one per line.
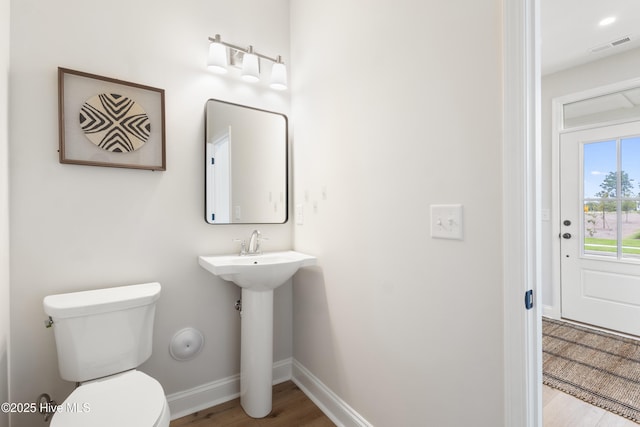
pixel 566 222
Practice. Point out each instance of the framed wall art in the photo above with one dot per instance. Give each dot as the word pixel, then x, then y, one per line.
pixel 110 122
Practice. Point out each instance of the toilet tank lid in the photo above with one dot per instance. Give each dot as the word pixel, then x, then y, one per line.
pixel 98 301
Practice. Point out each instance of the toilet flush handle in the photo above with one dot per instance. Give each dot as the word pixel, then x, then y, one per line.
pixel 46 406
pixel 48 323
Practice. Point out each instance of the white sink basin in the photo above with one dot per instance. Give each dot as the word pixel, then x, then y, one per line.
pixel 257 272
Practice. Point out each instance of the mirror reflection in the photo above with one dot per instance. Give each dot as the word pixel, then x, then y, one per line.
pixel 245 165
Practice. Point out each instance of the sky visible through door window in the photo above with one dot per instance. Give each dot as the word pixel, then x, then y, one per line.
pixel 601 158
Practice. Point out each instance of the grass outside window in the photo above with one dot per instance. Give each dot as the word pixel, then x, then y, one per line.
pixel 630 246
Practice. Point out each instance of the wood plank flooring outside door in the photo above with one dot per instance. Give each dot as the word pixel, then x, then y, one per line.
pixel 562 410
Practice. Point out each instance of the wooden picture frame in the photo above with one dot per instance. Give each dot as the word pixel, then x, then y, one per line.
pixel 110 122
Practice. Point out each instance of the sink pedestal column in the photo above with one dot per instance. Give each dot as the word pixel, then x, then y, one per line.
pixel 256 352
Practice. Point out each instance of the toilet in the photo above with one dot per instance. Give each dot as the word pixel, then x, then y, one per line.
pixel 102 336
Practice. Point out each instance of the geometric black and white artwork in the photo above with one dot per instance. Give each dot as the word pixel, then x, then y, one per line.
pixel 115 122
pixel 110 122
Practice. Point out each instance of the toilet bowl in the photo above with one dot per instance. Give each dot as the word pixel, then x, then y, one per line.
pixel 101 337
pixel 128 399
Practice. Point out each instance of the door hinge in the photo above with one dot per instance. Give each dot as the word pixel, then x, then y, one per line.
pixel 528 299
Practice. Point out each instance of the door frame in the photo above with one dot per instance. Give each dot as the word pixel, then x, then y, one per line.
pixel 521 209
pixel 557 129
pixel 521 213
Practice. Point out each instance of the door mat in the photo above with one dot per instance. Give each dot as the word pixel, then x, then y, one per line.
pixel 600 368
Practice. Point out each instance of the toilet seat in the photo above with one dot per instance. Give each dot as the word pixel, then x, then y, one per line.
pixel 128 399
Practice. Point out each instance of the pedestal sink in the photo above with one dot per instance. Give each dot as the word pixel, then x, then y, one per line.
pixel 258 276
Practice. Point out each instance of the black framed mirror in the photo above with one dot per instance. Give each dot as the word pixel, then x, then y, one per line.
pixel 246 165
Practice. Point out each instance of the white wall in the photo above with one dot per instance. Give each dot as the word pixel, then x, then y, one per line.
pixel 4 207
pixel 613 69
pixel 79 227
pixel 397 107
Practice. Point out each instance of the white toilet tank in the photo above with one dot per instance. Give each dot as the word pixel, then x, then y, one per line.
pixel 104 331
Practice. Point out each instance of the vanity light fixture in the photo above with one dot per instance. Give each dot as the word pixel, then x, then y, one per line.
pixel 248 59
pixel 217 56
pixel 279 75
pixel 250 66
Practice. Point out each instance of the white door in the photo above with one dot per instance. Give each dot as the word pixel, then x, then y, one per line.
pixel 600 226
pixel 218 176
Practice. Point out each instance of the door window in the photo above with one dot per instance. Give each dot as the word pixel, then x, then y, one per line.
pixel 611 178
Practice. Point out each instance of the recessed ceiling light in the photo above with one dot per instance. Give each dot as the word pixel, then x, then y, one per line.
pixel 607 21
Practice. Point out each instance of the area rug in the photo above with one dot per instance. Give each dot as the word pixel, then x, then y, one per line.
pixel 601 369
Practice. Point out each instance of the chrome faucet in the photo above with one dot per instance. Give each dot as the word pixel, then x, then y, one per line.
pixel 254 243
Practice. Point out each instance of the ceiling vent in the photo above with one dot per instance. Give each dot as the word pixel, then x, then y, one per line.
pixel 611 44
pixel 621 41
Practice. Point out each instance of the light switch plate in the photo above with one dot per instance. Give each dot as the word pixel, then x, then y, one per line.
pixel 446 222
pixel 545 215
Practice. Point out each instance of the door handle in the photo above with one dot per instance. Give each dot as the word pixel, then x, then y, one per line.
pixel 566 236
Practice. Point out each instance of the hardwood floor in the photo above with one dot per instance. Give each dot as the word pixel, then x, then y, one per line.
pixel 291 408
pixel 562 410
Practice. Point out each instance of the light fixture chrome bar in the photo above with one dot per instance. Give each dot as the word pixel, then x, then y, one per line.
pixel 250 59
pixel 217 39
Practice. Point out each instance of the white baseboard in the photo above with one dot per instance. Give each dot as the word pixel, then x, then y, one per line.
pixel 550 311
pixel 335 408
pixel 187 402
pixel 214 393
pixel 282 370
